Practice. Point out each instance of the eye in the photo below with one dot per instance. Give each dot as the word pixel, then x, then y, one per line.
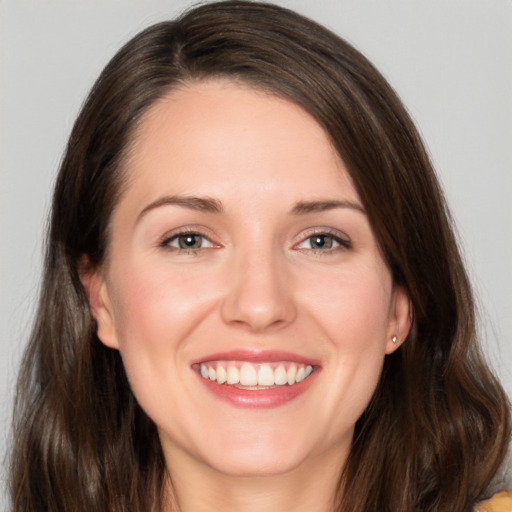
pixel 187 241
pixel 323 242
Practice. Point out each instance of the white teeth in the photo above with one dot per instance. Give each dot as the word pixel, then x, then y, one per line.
pixel 248 376
pixel 265 376
pixel 222 376
pixel 280 376
pixel 233 375
pixel 292 371
pixel 257 374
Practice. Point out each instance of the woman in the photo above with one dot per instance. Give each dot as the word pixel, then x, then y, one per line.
pixel 253 298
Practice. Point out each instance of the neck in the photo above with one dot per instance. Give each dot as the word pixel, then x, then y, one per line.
pixel 199 488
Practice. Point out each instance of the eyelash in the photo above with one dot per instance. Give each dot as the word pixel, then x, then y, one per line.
pixel 343 242
pixel 334 236
pixel 168 239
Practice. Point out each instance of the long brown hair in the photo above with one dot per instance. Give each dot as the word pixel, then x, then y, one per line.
pixel 438 425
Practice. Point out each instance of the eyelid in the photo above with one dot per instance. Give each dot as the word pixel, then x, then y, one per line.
pixel 341 238
pixel 164 240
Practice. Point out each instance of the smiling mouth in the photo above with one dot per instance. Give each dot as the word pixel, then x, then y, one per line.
pixel 254 376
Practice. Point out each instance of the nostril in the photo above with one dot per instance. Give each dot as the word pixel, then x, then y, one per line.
pixel 257 317
pixel 258 300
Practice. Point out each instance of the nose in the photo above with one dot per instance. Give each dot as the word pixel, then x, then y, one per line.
pixel 259 293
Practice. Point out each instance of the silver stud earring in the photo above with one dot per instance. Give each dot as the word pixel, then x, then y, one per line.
pixel 393 339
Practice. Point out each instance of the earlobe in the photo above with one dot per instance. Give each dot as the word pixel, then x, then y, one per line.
pixel 100 305
pixel 400 319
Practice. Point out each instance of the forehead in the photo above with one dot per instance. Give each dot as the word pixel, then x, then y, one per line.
pixel 220 134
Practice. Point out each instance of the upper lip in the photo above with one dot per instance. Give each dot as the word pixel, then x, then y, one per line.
pixel 258 356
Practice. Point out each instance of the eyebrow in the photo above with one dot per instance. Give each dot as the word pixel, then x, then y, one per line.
pixel 202 204
pixel 305 207
pixel 211 205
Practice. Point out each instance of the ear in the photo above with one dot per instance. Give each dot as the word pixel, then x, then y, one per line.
pixel 400 319
pixel 96 290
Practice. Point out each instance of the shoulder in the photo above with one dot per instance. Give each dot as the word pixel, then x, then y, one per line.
pixel 500 502
pixel 497 499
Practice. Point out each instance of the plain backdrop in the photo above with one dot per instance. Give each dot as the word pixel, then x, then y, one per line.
pixel 450 61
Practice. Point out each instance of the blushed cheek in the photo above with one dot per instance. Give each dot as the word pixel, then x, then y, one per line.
pixel 157 307
pixel 138 302
pixel 144 326
pixel 360 339
pixel 354 310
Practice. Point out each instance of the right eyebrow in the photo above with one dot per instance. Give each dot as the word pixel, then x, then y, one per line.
pixel 305 207
pixel 204 204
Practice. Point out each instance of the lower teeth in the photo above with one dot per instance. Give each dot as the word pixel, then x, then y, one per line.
pixel 239 386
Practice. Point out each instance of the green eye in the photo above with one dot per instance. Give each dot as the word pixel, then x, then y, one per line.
pixel 188 241
pixel 323 242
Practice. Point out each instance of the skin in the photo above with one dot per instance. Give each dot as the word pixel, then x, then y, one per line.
pixel 256 282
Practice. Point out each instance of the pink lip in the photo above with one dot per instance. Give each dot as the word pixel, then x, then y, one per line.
pixel 257 356
pixel 258 398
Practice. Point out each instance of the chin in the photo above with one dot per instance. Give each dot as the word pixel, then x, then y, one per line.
pixel 264 453
pixel 255 465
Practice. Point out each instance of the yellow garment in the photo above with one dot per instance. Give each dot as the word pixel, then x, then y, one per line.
pixel 500 502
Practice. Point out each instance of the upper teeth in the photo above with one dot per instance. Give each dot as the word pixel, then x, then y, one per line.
pixel 248 374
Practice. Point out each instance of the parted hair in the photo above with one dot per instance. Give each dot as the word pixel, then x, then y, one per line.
pixel 437 427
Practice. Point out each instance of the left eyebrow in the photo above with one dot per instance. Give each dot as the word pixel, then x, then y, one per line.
pixel 305 207
pixel 205 204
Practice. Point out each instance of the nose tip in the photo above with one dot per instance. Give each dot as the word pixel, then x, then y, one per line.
pixel 259 297
pixel 258 317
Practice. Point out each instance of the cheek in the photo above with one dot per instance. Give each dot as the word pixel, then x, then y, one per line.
pixel 156 311
pixel 352 305
pixel 155 305
pixel 353 311
pixel 143 331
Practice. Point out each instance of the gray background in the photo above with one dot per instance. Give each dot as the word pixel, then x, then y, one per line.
pixel 450 61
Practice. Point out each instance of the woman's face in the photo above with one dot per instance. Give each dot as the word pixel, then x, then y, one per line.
pixel 244 287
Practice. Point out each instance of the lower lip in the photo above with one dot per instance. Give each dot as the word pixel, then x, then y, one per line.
pixel 258 398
